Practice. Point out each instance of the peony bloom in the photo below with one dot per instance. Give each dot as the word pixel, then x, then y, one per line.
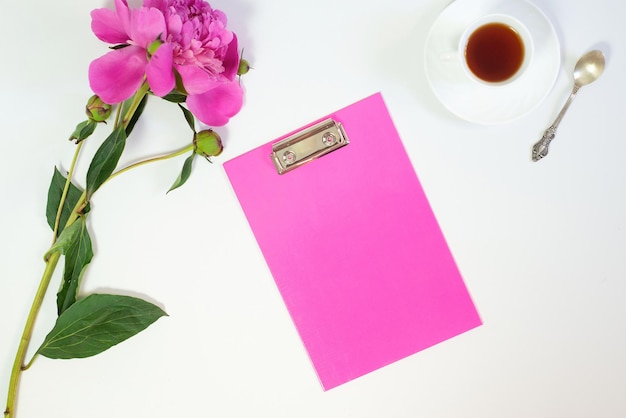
pixel 162 39
pixel 117 75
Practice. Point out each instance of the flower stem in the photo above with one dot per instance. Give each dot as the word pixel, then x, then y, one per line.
pixel 134 105
pixel 152 160
pixel 118 114
pixel 68 181
pixel 18 364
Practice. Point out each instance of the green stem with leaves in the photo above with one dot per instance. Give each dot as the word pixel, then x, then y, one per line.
pixel 52 260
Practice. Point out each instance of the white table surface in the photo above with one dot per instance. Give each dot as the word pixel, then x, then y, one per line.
pixel 540 245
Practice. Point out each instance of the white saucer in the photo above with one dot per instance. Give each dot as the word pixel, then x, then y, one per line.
pixel 478 102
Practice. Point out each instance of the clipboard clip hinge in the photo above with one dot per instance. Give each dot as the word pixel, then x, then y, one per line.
pixel 308 144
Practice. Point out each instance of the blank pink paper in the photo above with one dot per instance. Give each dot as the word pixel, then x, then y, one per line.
pixel 355 249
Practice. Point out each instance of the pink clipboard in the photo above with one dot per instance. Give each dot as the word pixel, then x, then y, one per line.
pixel 352 243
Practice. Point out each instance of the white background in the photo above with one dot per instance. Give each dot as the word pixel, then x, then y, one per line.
pixel 540 245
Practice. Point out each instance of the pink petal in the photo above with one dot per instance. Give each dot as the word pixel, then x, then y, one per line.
pixel 123 14
pixel 174 24
pixel 231 60
pixel 216 106
pixel 106 25
pixel 159 4
pixel 147 25
pixel 160 72
pixel 117 75
pixel 195 79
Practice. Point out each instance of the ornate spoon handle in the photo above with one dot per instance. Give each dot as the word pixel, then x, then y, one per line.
pixel 541 148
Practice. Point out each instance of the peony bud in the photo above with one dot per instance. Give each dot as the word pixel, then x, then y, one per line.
pixel 244 67
pixel 208 143
pixel 97 110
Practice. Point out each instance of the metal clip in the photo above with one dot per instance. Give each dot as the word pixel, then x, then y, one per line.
pixel 307 145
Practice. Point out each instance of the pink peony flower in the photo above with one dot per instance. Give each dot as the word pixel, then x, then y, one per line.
pixel 165 38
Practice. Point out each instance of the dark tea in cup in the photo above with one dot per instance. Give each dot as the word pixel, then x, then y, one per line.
pixel 494 50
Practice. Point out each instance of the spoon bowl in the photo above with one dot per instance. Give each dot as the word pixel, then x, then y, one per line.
pixel 588 68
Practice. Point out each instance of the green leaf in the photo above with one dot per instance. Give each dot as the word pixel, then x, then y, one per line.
pixel 184 174
pixel 175 97
pixel 83 130
pixel 66 239
pixel 96 323
pixel 105 160
pixel 119 46
pixel 78 254
pixel 55 192
pixel 136 115
pixel 191 121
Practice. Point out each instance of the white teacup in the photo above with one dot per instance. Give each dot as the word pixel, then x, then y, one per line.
pixel 495 49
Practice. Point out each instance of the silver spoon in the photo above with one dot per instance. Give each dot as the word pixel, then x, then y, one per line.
pixel 587 70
